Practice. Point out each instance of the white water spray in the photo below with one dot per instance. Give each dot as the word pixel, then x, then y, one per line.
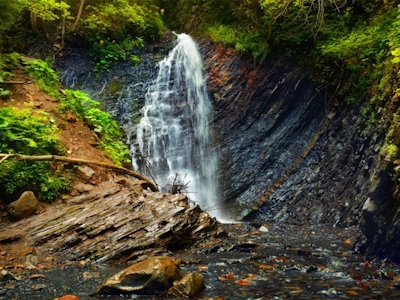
pixel 173 134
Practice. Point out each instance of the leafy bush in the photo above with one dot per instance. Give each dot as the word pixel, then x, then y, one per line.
pixel 17 177
pixel 244 41
pixel 23 132
pixel 44 76
pixel 100 121
pixel 7 63
pixel 117 18
pixel 107 53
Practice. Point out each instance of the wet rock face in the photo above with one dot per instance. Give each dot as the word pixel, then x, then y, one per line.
pixel 380 223
pixel 286 151
pixel 123 88
pixel 154 276
pixel 25 206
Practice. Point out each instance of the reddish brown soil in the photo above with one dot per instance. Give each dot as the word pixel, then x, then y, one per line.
pixel 78 140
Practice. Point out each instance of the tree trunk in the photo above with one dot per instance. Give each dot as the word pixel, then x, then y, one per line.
pixel 34 21
pixel 78 17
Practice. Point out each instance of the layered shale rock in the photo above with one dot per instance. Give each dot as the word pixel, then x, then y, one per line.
pixel 115 221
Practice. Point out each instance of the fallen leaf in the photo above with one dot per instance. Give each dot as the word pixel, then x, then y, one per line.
pixel 224 277
pixel 255 233
pixel 67 297
pixel 244 281
pixel 267 267
pixel 281 259
pixel 351 293
pixel 37 276
pixel 19 266
pixel 9 286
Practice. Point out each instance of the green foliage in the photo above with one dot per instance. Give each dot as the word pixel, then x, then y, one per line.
pixel 243 40
pixel 9 12
pixel 107 53
pixel 4 94
pixel 44 76
pixel 135 60
pixel 100 121
pixel 7 63
pixel 390 151
pixel 17 177
pixel 22 131
pixel 47 10
pixel 117 18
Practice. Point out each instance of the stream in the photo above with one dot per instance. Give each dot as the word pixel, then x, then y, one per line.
pixel 256 261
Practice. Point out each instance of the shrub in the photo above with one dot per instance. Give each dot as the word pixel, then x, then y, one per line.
pixel 23 132
pixel 17 177
pixel 100 121
pixel 44 76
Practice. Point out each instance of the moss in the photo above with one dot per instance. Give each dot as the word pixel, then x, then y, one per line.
pixel 114 87
pixel 390 151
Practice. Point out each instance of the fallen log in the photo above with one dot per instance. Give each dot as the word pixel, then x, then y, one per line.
pixel 78 161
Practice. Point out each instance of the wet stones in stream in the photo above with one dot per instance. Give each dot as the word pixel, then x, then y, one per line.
pixel 289 262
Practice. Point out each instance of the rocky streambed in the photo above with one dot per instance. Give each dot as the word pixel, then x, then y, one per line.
pixel 255 261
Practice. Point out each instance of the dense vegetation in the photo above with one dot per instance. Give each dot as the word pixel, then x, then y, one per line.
pixel 352 47
pixel 111 28
pixel 33 132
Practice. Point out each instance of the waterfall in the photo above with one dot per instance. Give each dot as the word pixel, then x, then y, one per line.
pixel 173 136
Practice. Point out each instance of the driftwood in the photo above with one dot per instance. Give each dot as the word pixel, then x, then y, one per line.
pixel 78 161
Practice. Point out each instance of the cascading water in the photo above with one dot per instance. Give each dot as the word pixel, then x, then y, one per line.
pixel 173 133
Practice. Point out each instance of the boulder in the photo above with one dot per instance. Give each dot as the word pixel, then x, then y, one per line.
pixel 154 276
pixel 25 206
pixel 85 173
pixel 188 287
